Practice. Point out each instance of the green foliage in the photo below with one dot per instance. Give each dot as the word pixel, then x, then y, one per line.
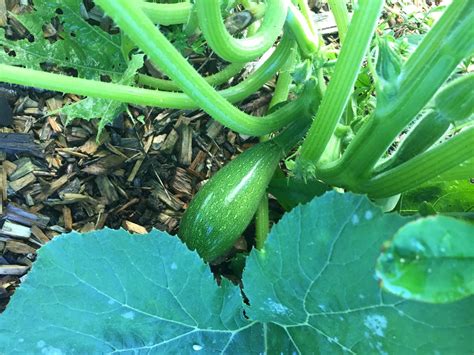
pixel 107 110
pixel 79 45
pixel 430 260
pixel 454 196
pixel 292 191
pixel 310 290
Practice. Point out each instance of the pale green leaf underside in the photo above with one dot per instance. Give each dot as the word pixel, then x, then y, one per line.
pixel 430 260
pixel 314 288
pixel 88 49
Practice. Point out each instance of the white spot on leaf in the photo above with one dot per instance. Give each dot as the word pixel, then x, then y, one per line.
pixel 276 307
pixel 197 347
pixel 368 215
pixel 174 266
pixel 355 219
pixel 40 344
pixel 376 323
pixel 128 315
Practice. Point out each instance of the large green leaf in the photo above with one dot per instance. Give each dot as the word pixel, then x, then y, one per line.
pixel 430 260
pixel 88 49
pixel 110 291
pixel 316 281
pixel 312 290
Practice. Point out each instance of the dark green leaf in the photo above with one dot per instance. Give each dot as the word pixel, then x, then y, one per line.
pixel 430 260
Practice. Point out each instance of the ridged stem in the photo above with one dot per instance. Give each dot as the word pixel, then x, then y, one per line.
pixel 307 40
pixel 167 14
pixel 234 49
pixel 341 15
pixel 128 94
pixel 422 168
pixel 341 85
pixel 282 88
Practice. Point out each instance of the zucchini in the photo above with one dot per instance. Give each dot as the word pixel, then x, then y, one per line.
pixel 225 206
pixel 427 132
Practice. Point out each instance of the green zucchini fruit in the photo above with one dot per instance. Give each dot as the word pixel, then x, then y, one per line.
pixel 427 132
pixel 226 204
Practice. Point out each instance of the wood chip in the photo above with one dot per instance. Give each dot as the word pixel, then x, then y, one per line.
pixel 27 218
pixel 14 143
pixel 104 165
pixel 67 216
pixel 186 145
pixel 15 230
pixel 23 182
pixel 54 125
pixel 170 142
pixel 17 270
pixel 39 234
pixel 54 186
pixel 134 228
pixel 106 189
pixel 19 247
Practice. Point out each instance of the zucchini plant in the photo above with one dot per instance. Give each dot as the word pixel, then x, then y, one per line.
pixel 310 288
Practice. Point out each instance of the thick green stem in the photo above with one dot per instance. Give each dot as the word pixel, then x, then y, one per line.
pixel 341 15
pixel 215 79
pixel 262 219
pixel 448 42
pixel 234 49
pixel 341 86
pixel 308 42
pixel 422 168
pixel 305 10
pixel 128 94
pixel 167 14
pixel 148 38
